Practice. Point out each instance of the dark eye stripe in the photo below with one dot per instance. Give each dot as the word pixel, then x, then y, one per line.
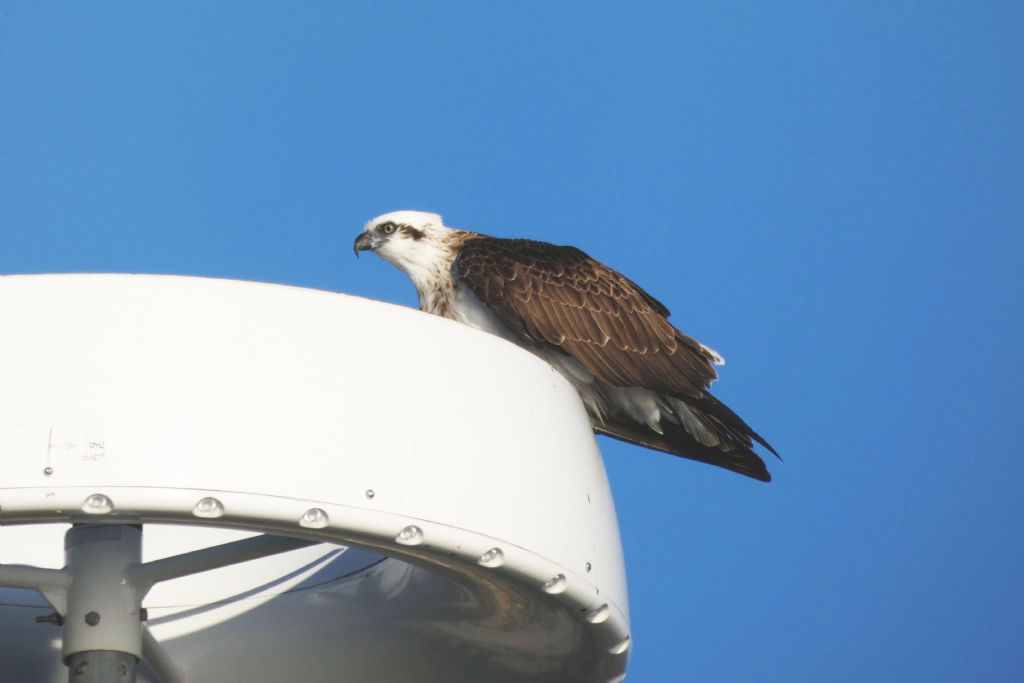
pixel 412 232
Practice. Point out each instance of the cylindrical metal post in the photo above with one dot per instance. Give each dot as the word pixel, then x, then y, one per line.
pixel 102 626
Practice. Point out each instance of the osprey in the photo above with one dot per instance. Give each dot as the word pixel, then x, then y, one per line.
pixel 641 380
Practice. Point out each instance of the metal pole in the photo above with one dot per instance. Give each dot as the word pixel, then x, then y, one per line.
pixel 145 575
pixel 36 578
pixel 103 624
pixel 159 660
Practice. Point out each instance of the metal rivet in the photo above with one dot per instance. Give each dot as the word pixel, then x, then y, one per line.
pixel 92 618
pixel 97 504
pixel 492 558
pixel 370 493
pixel 555 585
pixel 314 518
pixel 410 535
pixel 208 508
pixel 47 471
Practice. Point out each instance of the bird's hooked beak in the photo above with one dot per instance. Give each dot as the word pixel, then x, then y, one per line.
pixel 365 241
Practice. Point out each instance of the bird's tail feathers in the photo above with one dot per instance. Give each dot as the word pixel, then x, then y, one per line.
pixel 703 429
pixel 734 424
pixel 677 441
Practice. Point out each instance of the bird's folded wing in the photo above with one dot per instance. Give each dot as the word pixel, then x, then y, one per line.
pixel 559 295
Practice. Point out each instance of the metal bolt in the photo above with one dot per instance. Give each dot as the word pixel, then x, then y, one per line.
pixel 92 618
pixel 370 493
pixel 51 618
pixel 47 471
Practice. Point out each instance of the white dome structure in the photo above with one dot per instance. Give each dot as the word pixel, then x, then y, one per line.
pixel 241 482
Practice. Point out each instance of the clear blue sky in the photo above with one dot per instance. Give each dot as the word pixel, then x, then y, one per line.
pixel 830 194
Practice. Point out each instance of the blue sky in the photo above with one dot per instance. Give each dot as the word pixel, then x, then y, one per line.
pixel 829 194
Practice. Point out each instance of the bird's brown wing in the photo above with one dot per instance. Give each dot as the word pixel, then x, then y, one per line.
pixel 559 295
pixel 620 333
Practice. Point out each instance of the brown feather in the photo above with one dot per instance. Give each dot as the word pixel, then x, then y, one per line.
pixel 618 329
pixel 619 333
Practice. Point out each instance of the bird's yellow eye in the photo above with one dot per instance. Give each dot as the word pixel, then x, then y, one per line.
pixel 388 228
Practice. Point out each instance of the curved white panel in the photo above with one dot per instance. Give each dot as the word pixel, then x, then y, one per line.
pixel 161 392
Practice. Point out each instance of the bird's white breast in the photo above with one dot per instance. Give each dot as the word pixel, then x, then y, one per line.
pixel 467 308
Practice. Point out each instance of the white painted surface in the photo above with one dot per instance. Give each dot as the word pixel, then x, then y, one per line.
pixel 160 391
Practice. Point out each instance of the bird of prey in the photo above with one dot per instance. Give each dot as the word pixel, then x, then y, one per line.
pixel 641 380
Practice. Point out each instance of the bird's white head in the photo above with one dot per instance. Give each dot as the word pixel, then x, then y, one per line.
pixel 417 242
